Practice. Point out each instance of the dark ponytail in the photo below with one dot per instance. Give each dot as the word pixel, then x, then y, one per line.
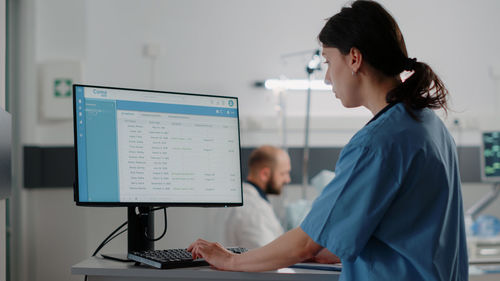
pixel 367 26
pixel 422 89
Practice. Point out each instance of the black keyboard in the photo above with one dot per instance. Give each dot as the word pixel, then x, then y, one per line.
pixel 172 258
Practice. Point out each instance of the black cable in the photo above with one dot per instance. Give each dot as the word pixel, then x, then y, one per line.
pixel 164 229
pixel 108 238
pixel 118 234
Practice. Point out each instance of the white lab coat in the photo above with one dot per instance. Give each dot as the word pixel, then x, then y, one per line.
pixel 254 224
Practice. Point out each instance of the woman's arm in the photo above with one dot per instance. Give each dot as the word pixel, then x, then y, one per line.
pixel 292 247
pixel 325 256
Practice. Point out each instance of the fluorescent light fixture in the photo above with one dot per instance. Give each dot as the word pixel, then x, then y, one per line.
pixel 296 84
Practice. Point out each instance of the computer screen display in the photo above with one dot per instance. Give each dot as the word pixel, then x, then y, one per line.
pixel 139 147
pixel 490 156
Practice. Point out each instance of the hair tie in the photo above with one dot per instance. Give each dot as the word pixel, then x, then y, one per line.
pixel 410 64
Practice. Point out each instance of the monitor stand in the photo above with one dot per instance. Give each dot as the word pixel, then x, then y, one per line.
pixel 140 224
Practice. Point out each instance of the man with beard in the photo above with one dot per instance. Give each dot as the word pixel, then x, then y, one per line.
pixel 255 224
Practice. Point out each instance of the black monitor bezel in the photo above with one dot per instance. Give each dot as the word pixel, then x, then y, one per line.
pixel 147 204
pixel 484 178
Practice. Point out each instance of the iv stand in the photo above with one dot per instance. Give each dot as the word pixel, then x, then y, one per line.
pixel 314 64
pixel 282 115
pixel 305 162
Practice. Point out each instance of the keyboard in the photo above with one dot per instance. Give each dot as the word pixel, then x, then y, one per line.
pixel 172 258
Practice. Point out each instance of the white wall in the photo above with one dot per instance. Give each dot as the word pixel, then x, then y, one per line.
pixel 222 47
pixel 216 47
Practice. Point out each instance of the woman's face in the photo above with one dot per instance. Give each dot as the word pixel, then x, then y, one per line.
pixel 345 84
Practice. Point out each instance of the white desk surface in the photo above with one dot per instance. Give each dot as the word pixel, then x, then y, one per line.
pixel 97 268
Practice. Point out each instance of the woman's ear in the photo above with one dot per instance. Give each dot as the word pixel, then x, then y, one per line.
pixel 355 58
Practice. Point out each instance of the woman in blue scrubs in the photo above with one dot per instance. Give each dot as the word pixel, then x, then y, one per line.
pixel 394 209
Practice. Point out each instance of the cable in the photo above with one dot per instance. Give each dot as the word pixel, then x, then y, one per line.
pixel 109 239
pixel 118 234
pixel 164 229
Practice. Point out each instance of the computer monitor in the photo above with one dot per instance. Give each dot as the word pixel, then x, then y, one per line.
pixel 490 156
pixel 143 149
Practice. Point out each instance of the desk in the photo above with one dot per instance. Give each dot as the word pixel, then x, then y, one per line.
pixel 99 269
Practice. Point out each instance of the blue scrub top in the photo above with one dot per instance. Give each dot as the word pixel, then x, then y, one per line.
pixel 394 209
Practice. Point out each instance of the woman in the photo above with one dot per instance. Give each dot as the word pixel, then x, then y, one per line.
pixel 394 209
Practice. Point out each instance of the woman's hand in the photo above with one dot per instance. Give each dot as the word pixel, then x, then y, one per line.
pixel 214 253
pixel 325 256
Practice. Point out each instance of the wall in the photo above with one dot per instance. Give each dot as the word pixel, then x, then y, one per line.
pixel 217 47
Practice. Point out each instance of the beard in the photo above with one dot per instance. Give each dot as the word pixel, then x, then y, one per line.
pixel 272 188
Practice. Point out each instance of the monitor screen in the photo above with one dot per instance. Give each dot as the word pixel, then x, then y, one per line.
pixel 140 147
pixel 490 156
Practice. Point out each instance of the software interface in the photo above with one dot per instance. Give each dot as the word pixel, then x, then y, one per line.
pixel 141 146
pixel 491 152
